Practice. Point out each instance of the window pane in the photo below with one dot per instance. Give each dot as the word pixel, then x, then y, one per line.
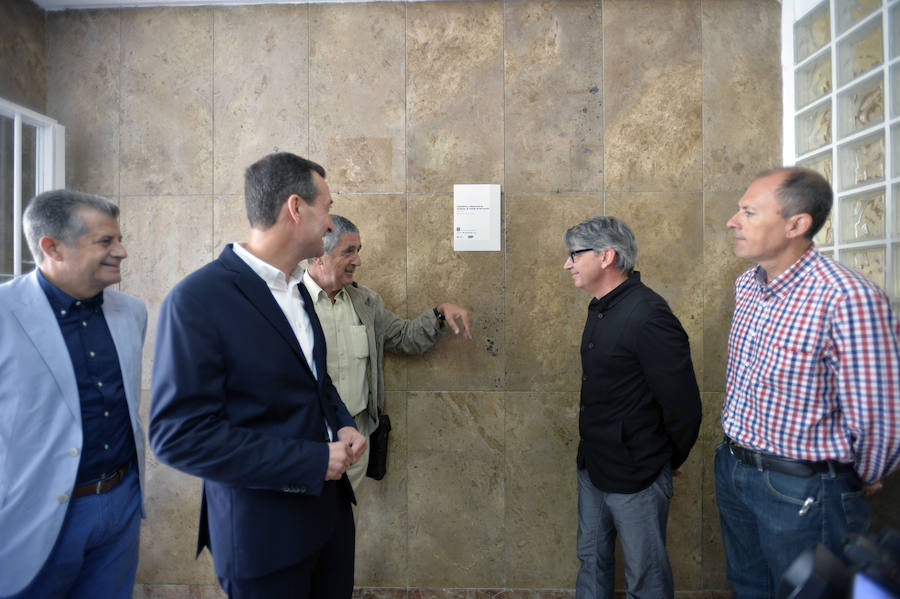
pixel 29 183
pixel 820 163
pixel 861 161
pixel 813 80
pixel 6 196
pixel 825 236
pixel 860 52
pixel 896 291
pixel 851 12
pixel 861 106
pixel 812 32
pixel 869 261
pixel 896 195
pixel 862 216
pixel 894 78
pixel 895 31
pixel 814 128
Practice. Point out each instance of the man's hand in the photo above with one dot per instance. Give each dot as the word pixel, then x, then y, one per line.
pixel 872 488
pixel 356 443
pixel 451 312
pixel 338 460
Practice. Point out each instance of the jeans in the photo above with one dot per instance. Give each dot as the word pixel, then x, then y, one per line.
pixel 769 518
pixel 639 520
pixel 96 552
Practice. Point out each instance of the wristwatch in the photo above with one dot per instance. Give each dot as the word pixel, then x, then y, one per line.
pixel 438 315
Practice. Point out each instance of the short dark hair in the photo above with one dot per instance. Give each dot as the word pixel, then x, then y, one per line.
pixel 804 191
pixel 57 214
pixel 269 182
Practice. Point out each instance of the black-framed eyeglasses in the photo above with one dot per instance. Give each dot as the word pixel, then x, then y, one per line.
pixel 574 253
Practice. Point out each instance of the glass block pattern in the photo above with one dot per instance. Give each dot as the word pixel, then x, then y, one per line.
pixel 862 216
pixel 861 106
pixel 868 260
pixel 860 52
pixel 812 32
pixel 861 161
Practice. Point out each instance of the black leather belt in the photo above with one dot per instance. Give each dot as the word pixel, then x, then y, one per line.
pixel 102 485
pixel 801 468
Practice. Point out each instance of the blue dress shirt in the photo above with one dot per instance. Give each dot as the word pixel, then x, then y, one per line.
pixel 105 423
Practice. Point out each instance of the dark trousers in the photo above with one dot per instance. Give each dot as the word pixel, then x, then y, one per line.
pixel 326 574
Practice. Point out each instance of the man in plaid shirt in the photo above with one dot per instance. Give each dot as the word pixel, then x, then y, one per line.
pixel 812 399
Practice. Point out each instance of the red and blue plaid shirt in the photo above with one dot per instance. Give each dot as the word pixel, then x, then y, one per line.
pixel 814 367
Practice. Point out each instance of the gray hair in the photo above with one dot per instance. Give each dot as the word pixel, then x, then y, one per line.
pixel 57 214
pixel 342 226
pixel 804 191
pixel 604 232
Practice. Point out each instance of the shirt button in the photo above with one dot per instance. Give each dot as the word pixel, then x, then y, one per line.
pixel 600 315
pixel 62 498
pixel 106 446
pixel 78 303
pixel 63 312
pixel 590 346
pixel 106 414
pixel 83 323
pixel 92 354
pixel 584 378
pixel 99 384
pixel 73 451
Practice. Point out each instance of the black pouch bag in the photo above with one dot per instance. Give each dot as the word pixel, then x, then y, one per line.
pixel 378 448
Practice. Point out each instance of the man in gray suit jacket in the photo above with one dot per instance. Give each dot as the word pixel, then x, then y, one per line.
pixel 71 440
pixel 358 328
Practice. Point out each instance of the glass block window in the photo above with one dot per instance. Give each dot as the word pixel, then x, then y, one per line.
pixel 32 160
pixel 841 62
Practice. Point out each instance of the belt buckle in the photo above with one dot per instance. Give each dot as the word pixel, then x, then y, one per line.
pixel 99 490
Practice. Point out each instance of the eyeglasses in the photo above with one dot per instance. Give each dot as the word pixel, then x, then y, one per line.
pixel 574 253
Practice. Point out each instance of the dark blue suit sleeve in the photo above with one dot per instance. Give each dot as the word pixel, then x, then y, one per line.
pixel 191 427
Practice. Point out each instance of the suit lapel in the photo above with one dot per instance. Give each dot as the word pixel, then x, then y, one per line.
pixel 122 331
pixel 39 323
pixel 260 297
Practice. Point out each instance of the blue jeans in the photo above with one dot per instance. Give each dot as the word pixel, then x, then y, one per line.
pixel 96 552
pixel 639 520
pixel 763 528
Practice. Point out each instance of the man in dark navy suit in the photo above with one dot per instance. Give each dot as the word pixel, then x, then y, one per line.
pixel 241 398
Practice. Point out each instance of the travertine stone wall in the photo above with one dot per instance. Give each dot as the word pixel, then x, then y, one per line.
pixel 658 111
pixel 22 72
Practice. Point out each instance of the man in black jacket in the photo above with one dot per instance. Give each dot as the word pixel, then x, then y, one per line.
pixel 639 417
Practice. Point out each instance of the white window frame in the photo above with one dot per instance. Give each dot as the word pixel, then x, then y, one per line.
pixel 792 12
pixel 50 163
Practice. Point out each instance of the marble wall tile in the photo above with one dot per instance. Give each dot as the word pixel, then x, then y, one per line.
pixel 652 90
pixel 230 224
pixel 713 573
pixel 741 91
pixel 471 279
pixel 167 238
pixel 177 591
pixel 260 88
pixel 23 68
pixel 454 94
pixel 545 312
pixel 166 115
pixel 720 268
pixel 683 543
pixel 669 235
pixel 381 521
pixel 169 533
pixel 357 113
pixel 456 488
pixel 541 489
pixel 553 72
pixel 83 58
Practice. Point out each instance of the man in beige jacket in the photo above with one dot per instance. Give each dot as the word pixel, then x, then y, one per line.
pixel 358 328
